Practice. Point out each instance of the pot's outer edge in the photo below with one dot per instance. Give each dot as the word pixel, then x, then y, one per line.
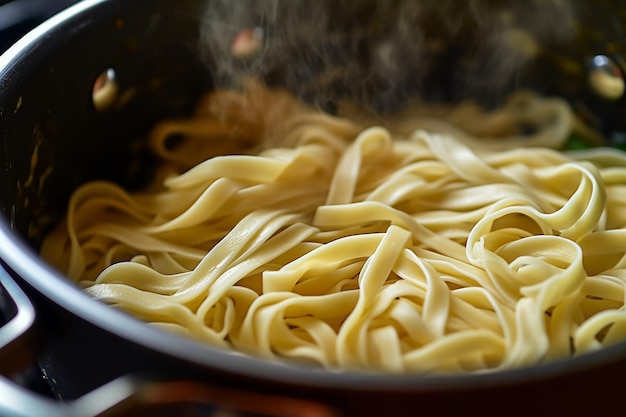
pixel 25 262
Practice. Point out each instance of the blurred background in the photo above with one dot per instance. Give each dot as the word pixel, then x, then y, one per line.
pixel 19 16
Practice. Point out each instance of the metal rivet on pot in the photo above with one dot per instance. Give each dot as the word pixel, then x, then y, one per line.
pixel 606 78
pixel 247 42
pixel 105 90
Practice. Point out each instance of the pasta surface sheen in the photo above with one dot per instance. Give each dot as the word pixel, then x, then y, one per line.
pixel 358 249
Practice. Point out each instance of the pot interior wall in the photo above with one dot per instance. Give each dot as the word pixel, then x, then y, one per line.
pixel 51 136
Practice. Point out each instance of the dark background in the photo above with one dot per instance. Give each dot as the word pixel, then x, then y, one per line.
pixel 17 17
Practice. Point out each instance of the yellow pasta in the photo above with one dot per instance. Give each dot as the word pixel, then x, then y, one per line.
pixel 361 248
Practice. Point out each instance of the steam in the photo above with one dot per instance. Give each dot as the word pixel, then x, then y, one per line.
pixel 382 54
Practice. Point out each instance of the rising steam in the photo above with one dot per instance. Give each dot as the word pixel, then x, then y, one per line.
pixel 383 53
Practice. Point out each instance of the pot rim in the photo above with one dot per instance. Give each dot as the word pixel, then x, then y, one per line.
pixel 26 264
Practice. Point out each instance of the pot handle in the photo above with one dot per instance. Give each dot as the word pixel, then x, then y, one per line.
pixel 126 396
pixel 132 397
pixel 17 321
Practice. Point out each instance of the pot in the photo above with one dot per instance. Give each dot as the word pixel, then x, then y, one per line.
pixel 53 138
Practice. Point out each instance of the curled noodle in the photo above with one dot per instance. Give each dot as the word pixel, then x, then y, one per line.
pixel 360 248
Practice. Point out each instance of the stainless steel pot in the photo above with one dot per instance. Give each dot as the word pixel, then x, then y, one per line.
pixel 53 138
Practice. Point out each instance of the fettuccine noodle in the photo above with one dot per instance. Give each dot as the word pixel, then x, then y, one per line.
pixel 360 248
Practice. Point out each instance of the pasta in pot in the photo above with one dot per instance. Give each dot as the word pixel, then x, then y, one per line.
pixel 359 248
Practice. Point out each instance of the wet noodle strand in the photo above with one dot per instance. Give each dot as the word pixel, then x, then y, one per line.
pixel 359 249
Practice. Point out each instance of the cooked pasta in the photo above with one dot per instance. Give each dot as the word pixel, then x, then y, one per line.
pixel 361 248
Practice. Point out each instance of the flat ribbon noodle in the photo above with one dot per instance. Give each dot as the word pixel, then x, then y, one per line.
pixel 359 247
